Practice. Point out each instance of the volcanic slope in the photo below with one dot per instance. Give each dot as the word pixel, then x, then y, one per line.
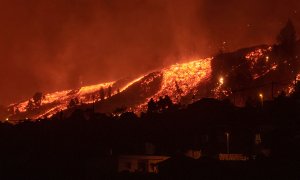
pixel 237 75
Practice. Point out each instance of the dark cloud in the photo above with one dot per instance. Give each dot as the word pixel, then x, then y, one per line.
pixel 47 45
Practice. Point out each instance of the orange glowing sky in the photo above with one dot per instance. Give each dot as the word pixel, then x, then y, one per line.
pixel 49 45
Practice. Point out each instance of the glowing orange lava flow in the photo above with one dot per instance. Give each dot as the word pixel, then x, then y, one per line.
pixel 177 81
pixel 259 59
pixel 131 83
pixel 181 79
pixel 60 99
pixel 291 87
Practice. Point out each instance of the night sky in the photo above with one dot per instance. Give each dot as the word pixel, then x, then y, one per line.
pixel 49 45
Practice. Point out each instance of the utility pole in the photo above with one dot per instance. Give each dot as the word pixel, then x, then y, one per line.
pixel 272 93
pixel 227 141
pixel 93 96
pixel 261 96
pixel 234 98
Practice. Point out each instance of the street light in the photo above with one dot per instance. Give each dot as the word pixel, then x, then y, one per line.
pixel 221 80
pixel 227 141
pixel 267 58
pixel 261 96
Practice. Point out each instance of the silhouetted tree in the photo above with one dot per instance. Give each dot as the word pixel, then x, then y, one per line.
pixel 76 100
pixel 30 105
pixel 128 116
pixel 73 102
pixel 164 103
pixel 296 93
pixel 11 110
pixel 78 115
pixel 17 111
pixel 178 89
pixel 37 99
pixel 102 94
pixel 286 50
pixel 120 110
pixel 282 97
pixel 287 36
pixel 109 91
pixel 168 101
pixel 282 94
pixel 152 106
pixel 161 104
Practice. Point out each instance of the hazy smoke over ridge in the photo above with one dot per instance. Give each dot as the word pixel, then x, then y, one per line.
pixel 48 45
